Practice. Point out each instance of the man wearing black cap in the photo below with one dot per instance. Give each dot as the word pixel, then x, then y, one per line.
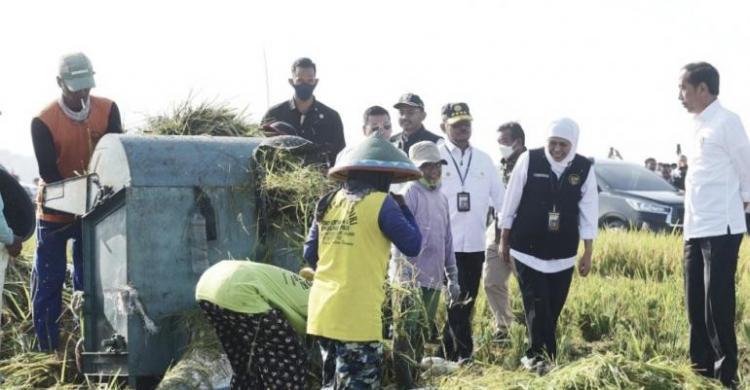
pixel 312 119
pixel 410 117
pixel 471 184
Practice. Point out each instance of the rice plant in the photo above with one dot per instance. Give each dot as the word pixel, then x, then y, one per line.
pixel 203 118
pixel 623 327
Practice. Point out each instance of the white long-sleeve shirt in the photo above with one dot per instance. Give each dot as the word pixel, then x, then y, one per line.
pixel 718 178
pixel 588 216
pixel 485 189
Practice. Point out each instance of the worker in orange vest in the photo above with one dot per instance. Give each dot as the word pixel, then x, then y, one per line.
pixel 64 135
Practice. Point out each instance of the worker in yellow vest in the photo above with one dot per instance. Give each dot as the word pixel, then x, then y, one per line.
pixel 349 246
pixel 64 135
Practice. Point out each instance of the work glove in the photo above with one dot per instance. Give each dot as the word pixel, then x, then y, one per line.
pixel 454 289
pixel 76 301
pixel 454 292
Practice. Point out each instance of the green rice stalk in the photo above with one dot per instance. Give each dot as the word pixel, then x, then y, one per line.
pixel 204 118
pixel 595 372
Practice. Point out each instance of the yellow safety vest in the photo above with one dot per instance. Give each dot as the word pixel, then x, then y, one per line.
pixel 347 293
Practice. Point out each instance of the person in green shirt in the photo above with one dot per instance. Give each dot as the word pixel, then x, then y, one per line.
pixel 259 312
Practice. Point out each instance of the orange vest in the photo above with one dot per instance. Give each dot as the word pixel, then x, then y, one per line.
pixel 74 143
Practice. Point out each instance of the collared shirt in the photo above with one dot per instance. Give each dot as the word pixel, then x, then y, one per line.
pixel 404 141
pixel 320 125
pixel 484 187
pixel 718 181
pixel 587 219
pixel 428 268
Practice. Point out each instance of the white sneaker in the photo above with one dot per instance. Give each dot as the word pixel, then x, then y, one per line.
pixel 530 364
pixel 537 365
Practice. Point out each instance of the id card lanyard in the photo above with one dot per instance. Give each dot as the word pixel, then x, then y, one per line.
pixel 463 198
pixel 553 217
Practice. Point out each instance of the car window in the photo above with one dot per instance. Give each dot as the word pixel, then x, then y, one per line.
pixel 631 177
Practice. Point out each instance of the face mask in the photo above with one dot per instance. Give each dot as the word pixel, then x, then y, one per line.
pixel 303 91
pixel 429 183
pixel 506 151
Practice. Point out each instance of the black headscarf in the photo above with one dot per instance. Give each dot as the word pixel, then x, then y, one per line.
pixel 365 181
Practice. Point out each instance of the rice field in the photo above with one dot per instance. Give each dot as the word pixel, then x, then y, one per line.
pixel 623 327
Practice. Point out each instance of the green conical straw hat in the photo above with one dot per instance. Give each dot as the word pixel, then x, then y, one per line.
pixel 375 154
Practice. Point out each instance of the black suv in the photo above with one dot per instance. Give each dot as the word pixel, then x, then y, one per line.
pixel 632 197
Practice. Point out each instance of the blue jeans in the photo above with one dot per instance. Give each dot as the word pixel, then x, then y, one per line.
pixel 48 276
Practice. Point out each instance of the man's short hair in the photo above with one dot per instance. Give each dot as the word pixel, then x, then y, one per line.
pixel 648 160
pixel 304 63
pixel 703 72
pixel 516 131
pixel 375 111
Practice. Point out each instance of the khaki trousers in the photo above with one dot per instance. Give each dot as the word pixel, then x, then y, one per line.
pixel 496 275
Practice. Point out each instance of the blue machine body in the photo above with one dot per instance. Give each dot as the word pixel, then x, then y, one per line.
pixel 165 209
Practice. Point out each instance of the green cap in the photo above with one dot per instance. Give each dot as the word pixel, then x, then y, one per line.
pixel 375 154
pixel 76 72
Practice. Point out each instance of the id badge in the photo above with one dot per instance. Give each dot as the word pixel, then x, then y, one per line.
pixel 553 221
pixel 463 201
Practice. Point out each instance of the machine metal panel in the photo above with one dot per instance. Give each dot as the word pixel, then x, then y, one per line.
pixel 173 161
pixel 70 195
pixel 104 239
pixel 165 209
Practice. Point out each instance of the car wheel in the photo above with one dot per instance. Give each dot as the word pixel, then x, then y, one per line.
pixel 615 224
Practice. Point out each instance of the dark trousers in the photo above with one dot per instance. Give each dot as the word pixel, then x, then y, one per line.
pixel 48 277
pixel 263 349
pixel 710 266
pixel 457 340
pixel 543 296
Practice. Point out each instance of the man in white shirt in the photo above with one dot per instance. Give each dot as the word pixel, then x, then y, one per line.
pixel 471 184
pixel 716 186
pixel 551 204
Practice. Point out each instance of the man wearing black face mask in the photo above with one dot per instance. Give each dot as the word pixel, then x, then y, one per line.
pixel 313 120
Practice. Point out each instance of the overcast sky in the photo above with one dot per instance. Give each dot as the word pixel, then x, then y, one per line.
pixel 612 66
